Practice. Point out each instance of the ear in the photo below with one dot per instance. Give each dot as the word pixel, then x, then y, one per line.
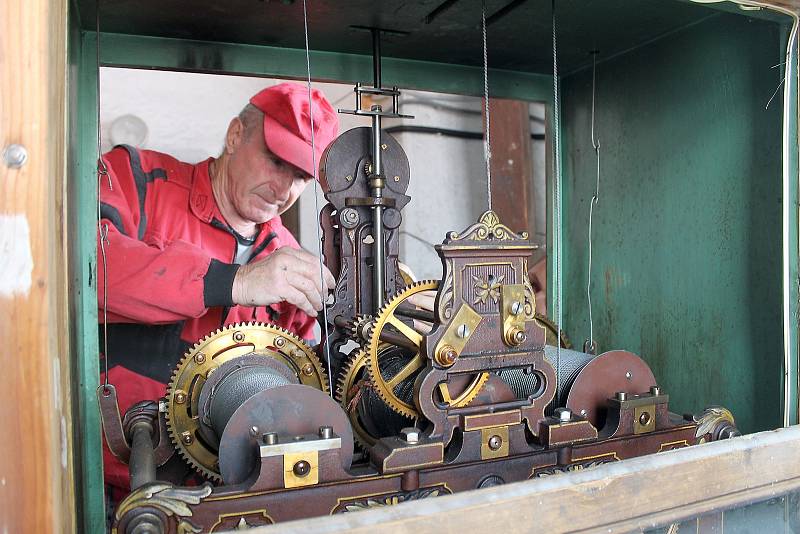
pixel 234 136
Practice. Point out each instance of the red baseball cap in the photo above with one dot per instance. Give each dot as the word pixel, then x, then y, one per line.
pixel 287 123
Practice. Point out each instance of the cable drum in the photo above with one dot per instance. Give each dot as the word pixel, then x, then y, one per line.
pixel 232 384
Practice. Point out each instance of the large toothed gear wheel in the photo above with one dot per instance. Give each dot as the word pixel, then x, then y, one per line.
pixel 353 378
pixel 205 357
pixel 385 380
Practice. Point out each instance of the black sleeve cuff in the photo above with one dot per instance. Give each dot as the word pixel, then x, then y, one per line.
pixel 218 284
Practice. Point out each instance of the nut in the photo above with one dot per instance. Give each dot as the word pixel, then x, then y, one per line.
pixel 199 358
pixel 655 391
pixel 410 434
pixel 564 415
pixel 621 395
pixel 270 438
pixel 326 432
pixel 446 356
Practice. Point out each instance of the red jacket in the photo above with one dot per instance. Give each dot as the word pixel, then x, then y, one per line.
pixel 170 269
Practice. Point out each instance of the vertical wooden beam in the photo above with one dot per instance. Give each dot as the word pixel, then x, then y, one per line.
pixel 512 165
pixel 35 455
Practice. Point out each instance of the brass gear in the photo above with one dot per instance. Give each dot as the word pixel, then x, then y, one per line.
pixel 385 388
pixel 361 327
pixel 353 377
pixel 199 362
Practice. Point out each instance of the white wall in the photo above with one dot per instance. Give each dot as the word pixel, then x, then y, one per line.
pixel 186 115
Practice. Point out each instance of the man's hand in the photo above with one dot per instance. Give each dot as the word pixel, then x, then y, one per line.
pixel 287 274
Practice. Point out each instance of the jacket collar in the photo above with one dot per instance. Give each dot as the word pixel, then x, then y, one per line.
pixel 204 205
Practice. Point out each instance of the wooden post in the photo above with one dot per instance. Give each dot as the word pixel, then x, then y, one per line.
pixel 36 492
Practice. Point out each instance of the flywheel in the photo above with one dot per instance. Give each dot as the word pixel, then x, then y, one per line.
pixel 254 340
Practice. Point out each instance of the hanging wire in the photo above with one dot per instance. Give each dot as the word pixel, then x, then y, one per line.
pixel 316 203
pixel 592 204
pixel 487 144
pixel 102 228
pixel 556 198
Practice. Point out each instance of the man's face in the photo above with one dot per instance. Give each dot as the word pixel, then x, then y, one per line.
pixel 261 185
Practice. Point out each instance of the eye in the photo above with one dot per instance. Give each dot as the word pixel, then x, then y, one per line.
pixel 277 161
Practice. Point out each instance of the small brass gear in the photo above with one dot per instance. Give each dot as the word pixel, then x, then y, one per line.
pixel 385 387
pixel 353 377
pixel 361 327
pixel 223 345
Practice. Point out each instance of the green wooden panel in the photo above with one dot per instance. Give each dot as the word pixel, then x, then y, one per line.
pixel 226 58
pixel 688 240
pixel 82 198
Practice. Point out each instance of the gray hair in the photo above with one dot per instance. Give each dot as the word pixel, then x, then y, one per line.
pixel 252 118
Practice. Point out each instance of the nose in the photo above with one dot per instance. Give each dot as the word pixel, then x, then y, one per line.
pixel 282 187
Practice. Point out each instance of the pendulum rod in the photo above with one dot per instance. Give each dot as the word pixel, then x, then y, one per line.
pixel 376 182
pixel 596 145
pixel 316 204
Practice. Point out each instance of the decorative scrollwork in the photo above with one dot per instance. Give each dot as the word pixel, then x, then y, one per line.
pixel 446 295
pixel 488 227
pixel 172 501
pixel 560 470
pixel 394 498
pixel 530 297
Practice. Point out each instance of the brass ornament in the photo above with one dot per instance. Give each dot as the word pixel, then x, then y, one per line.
pixel 225 344
pixel 488 227
pixel 168 499
pixel 712 418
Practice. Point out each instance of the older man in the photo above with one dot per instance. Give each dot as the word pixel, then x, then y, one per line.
pixel 192 248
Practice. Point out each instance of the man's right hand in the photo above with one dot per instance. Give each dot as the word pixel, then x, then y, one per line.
pixel 288 274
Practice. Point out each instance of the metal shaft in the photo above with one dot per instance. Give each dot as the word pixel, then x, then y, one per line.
pixel 378 257
pixel 142 463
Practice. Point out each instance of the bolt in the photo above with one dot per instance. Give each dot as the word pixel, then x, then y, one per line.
pixel 583 413
pixel 446 356
pixel 628 375
pixel 495 442
pixel 376 107
pixel 519 336
pixel 655 391
pixel 516 307
pixel 301 469
pixel 410 434
pixel 199 357
pixel 180 397
pixel 564 415
pixel 349 177
pixel 644 418
pixel 308 369
pixel 15 156
pixel 384 146
pixel 238 337
pixel 326 432
pixel 254 431
pixel 462 331
pixel 270 438
pixel 396 178
pixel 280 341
pixel 187 438
pixel 621 395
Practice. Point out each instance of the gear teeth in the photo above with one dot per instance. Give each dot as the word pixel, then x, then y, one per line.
pixel 346 379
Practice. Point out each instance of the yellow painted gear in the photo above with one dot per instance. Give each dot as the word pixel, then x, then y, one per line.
pixel 385 388
pixel 208 354
pixel 353 371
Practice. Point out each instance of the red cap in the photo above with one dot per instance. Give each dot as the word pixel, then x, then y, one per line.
pixel 287 123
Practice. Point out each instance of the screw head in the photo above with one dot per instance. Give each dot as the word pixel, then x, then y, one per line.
pixel 270 438
pixel 15 156
pixel 396 178
pixel 326 432
pixel 280 341
pixel 519 336
pixel 307 369
pixel 621 395
pixel 384 146
pixel 254 430
pixel 564 415
pixel 516 307
pixel 180 397
pixel 628 375
pixel 238 337
pixel 187 438
pixel 199 357
pixel 462 331
pixel 495 442
pixel 655 390
pixel 301 468
pixel 349 177
pixel 644 418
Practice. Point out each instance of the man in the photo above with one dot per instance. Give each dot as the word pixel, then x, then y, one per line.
pixel 192 248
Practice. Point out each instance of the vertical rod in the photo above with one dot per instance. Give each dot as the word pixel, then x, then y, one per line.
pixel 142 462
pixel 376 183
